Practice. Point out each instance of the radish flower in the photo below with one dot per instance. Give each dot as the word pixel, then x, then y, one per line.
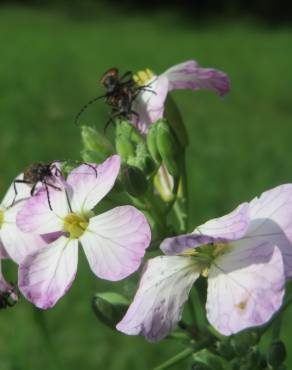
pixel 15 243
pixel 149 104
pixel 114 242
pixel 246 257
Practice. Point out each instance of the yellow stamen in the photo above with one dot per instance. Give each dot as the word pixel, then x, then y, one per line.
pixel 75 225
pixel 219 249
pixel 189 252
pixel 1 218
pixel 143 77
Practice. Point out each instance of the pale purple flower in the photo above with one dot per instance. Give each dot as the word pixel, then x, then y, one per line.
pixel 246 257
pixel 13 242
pixel 114 242
pixel 149 104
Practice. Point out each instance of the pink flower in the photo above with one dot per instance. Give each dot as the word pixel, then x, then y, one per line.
pixel 15 243
pixel 114 242
pixel 246 257
pixel 187 75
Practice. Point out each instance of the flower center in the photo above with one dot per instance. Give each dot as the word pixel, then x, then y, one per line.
pixel 143 77
pixel 206 255
pixel 1 218
pixel 75 225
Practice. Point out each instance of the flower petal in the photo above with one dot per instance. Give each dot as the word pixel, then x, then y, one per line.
pixel 23 191
pixel 18 244
pixel 163 289
pixel 44 277
pixel 149 104
pixel 219 230
pixel 245 287
pixel 271 217
pixel 91 182
pixel 189 75
pixel 115 242
pixel 35 215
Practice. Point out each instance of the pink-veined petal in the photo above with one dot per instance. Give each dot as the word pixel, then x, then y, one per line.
pixel 115 242
pixel 149 104
pixel 18 244
pixel 163 289
pixel 22 192
pixel 271 218
pixel 245 287
pixel 189 75
pixel 90 183
pixel 44 277
pixel 35 215
pixel 219 230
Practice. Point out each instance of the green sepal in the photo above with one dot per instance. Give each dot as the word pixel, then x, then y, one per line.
pixel 152 143
pixel 109 307
pixel 168 147
pixel 134 180
pixel 94 141
pixel 175 120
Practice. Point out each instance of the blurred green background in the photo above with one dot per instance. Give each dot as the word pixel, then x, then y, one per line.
pixel 240 145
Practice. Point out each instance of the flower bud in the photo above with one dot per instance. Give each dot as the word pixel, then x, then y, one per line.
pixel 276 354
pixel 94 141
pixel 134 180
pixel 243 341
pixel 152 142
pixel 168 147
pixel 109 307
pixel 225 349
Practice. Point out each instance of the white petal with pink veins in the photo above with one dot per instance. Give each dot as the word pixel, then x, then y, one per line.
pixel 36 217
pixel 189 75
pixel 44 277
pixel 271 218
pixel 115 242
pixel 245 287
pixel 90 183
pixel 163 289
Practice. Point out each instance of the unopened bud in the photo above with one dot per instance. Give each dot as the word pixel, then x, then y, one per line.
pixel 152 142
pixel 109 307
pixel 168 147
pixel 134 180
pixel 94 141
pixel 276 354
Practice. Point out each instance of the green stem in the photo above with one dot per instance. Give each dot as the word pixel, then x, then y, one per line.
pixel 175 359
pixel 205 343
pixel 48 343
pixel 276 331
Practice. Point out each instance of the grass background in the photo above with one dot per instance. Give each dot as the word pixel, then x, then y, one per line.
pixel 240 146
